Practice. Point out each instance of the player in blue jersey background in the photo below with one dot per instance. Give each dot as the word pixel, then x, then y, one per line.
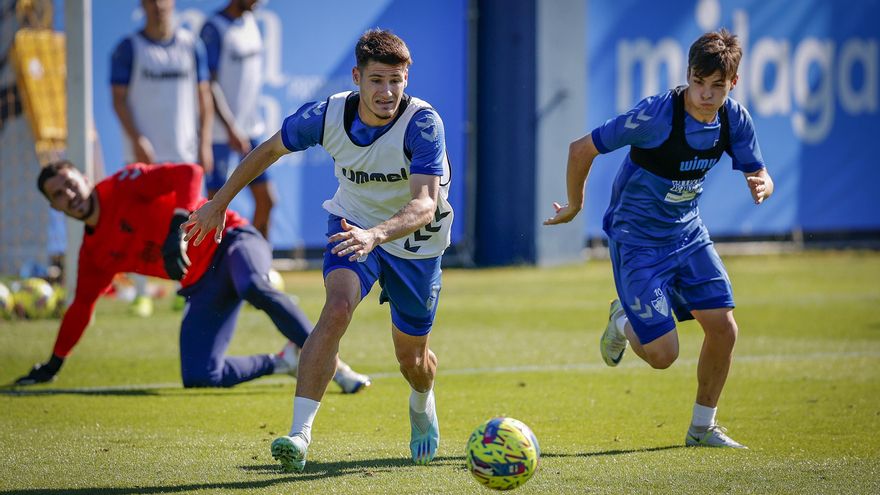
pixel 234 49
pixel 388 222
pixel 665 265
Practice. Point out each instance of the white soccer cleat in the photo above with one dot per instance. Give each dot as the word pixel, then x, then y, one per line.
pixel 713 436
pixel 291 453
pixel 287 360
pixel 350 381
pixel 612 344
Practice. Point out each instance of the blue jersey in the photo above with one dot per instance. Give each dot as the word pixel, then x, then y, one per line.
pixel 651 209
pixel 305 129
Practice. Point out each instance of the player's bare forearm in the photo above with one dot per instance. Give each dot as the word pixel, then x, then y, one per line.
pixel 417 213
pixel 206 122
pixel 255 163
pixel 120 106
pixel 581 154
pixel 211 216
pixel 221 107
pixel 355 242
pixel 760 185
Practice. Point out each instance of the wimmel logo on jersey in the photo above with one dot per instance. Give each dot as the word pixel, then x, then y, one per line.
pixel 697 164
pixel 361 177
pixel 164 74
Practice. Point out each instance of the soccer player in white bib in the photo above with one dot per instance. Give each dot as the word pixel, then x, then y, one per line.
pixel 389 221
pixel 235 59
pixel 162 96
pixel 665 264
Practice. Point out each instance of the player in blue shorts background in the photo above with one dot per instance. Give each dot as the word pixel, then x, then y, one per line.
pixel 663 259
pixel 389 221
pixel 234 49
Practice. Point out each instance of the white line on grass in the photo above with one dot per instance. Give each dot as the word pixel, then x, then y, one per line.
pixel 530 368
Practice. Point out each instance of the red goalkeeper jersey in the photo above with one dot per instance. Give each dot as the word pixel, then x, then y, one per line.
pixel 136 205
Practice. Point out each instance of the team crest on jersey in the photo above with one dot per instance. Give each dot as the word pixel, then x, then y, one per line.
pixel 659 303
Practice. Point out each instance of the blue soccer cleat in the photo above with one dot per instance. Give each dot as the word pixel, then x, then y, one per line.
pixel 425 437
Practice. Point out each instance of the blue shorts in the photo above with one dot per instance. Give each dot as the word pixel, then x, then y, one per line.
pixel 411 286
pixel 223 163
pixel 680 277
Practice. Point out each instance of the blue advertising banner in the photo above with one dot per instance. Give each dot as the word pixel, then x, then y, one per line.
pixel 809 78
pixel 309 53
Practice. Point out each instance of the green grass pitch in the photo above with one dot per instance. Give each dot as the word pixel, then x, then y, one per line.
pixel 803 394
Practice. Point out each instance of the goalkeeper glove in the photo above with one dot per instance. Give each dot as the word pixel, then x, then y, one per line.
pixel 174 248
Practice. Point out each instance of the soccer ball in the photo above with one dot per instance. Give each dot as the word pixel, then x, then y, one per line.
pixel 34 298
pixel 6 305
pixel 502 453
pixel 276 280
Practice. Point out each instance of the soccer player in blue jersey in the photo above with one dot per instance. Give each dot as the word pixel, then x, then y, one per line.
pixel 388 221
pixel 235 59
pixel 663 259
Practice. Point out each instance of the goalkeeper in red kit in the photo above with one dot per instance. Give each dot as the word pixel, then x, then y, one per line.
pixel 132 224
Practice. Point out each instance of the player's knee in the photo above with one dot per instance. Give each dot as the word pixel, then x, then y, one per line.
pixel 662 362
pixel 724 333
pixel 338 311
pixel 663 358
pixel 202 378
pixel 410 360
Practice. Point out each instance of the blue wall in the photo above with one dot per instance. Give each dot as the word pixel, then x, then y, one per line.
pixel 312 46
pixel 809 78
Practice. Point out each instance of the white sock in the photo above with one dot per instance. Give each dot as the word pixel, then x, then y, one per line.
pixel 704 417
pixel 620 324
pixel 419 401
pixel 304 411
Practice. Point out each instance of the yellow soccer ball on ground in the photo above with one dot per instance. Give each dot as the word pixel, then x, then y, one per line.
pixel 34 298
pixel 6 303
pixel 502 453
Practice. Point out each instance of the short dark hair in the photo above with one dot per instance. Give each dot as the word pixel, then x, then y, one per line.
pixel 716 51
pixel 51 170
pixel 382 46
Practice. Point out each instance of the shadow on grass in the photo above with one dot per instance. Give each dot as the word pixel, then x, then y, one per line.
pixel 31 392
pixel 314 471
pixel 614 452
pixel 133 390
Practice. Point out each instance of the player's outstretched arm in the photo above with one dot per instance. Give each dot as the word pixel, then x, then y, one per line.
pixel 91 283
pixel 581 154
pixel 760 185
pixel 212 215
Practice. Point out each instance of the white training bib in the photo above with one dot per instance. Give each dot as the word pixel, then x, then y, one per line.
pixel 374 181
